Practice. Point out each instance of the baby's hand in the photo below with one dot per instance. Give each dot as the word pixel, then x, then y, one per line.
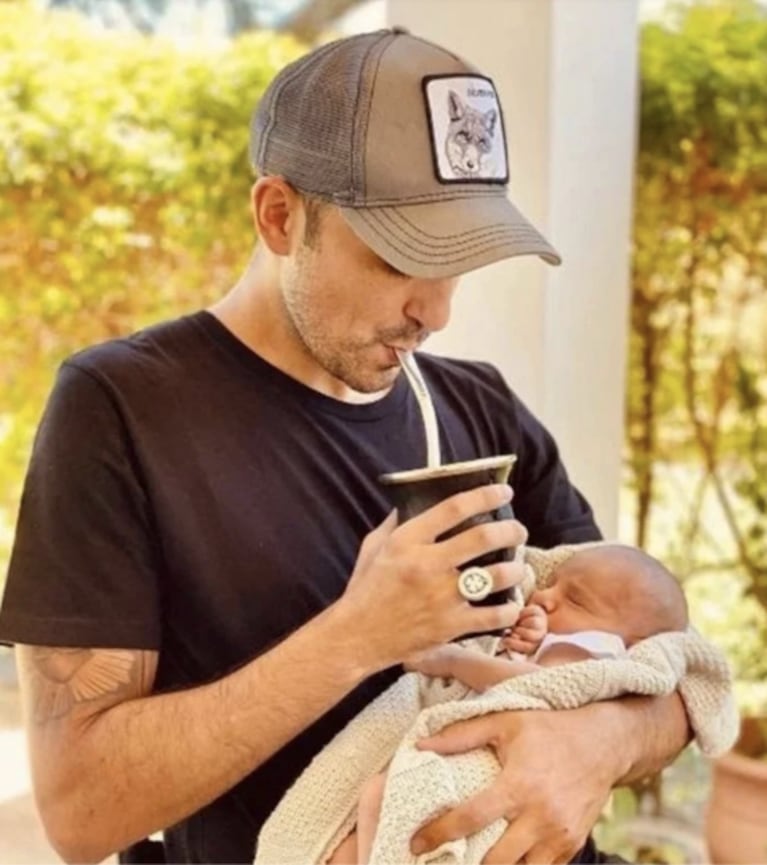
pixel 527 633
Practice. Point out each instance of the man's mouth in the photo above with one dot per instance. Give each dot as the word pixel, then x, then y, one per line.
pixel 392 352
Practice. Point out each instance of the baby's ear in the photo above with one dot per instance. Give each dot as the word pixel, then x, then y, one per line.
pixel 490 117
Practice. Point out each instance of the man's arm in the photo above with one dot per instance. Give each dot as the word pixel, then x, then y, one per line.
pixel 558 769
pixel 109 757
pixel 658 729
pixel 112 764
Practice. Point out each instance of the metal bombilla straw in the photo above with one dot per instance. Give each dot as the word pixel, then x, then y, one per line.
pixel 416 380
pixel 429 416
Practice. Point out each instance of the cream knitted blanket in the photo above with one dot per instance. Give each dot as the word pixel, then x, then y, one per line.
pixel 317 813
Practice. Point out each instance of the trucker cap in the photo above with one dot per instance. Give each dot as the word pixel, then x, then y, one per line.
pixel 407 139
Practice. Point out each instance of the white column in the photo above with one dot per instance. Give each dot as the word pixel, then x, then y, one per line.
pixel 566 72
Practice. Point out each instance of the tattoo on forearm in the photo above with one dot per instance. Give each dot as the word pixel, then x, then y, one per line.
pixel 65 678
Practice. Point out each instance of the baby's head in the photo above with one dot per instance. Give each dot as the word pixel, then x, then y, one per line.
pixel 613 588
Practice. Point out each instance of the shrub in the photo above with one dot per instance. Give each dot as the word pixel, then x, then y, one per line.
pixel 124 188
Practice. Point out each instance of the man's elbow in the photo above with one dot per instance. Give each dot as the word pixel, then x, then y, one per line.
pixel 76 837
pixel 77 848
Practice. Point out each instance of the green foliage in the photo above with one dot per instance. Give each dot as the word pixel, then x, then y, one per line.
pixel 698 372
pixel 124 190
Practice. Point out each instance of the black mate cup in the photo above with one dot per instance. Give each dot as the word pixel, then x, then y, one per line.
pixel 415 491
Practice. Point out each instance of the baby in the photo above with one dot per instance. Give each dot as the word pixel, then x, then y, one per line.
pixel 600 601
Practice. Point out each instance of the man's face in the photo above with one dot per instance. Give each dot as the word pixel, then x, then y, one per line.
pixel 350 310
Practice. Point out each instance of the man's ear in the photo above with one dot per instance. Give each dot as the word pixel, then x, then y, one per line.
pixel 277 213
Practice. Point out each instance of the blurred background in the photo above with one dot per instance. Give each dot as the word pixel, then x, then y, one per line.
pixel 638 142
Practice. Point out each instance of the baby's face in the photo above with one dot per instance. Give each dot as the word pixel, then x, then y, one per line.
pixel 588 593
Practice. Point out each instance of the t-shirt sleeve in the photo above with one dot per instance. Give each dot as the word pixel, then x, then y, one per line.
pixel 545 500
pixel 84 567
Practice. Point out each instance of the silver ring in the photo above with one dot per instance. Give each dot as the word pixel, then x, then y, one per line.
pixel 475 583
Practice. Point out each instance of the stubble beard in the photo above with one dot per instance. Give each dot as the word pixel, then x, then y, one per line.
pixel 347 361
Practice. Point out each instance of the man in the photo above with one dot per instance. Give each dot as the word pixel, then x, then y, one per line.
pixel 205 584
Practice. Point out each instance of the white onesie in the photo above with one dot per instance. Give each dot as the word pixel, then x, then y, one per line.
pixel 599 644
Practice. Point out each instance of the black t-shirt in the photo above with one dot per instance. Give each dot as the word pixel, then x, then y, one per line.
pixel 188 497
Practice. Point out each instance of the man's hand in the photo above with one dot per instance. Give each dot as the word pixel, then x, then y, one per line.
pixel 528 632
pixel 403 595
pixel 556 776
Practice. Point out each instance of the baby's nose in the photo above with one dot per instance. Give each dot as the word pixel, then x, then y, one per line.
pixel 544 598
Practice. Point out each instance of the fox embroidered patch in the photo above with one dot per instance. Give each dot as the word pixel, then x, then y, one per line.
pixel 467 134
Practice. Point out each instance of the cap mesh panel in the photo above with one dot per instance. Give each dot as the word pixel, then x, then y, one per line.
pixel 304 126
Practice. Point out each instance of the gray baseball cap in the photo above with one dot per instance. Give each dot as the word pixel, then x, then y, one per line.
pixel 407 139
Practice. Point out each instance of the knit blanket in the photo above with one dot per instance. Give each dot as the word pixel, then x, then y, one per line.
pixel 319 811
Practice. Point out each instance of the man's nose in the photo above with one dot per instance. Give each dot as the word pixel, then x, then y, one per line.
pixel 430 303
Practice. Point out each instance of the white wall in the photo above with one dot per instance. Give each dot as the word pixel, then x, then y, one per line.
pixel 592 147
pixel 566 72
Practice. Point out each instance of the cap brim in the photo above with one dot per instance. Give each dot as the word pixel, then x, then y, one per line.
pixel 449 237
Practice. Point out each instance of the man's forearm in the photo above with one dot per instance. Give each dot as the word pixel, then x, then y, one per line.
pixel 147 763
pixel 650 731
